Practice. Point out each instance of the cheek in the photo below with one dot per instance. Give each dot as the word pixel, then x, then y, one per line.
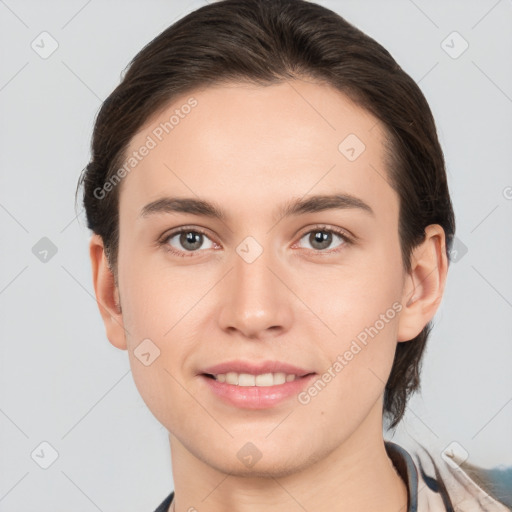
pixel 156 320
pixel 350 299
pixel 358 358
pixel 155 296
pixel 362 309
pixel 160 314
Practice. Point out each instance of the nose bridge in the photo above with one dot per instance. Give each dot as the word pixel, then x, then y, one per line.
pixel 255 300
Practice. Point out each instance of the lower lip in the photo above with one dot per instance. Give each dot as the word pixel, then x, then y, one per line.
pixel 257 397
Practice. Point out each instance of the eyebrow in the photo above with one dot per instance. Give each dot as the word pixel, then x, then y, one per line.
pixel 294 207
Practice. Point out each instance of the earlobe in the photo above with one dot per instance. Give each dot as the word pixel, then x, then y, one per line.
pixel 107 293
pixel 424 285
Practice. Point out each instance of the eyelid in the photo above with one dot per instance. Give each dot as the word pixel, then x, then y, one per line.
pixel 347 237
pixel 344 233
pixel 180 229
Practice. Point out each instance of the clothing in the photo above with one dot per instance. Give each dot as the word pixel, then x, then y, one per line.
pixel 435 484
pixel 164 506
pixel 438 484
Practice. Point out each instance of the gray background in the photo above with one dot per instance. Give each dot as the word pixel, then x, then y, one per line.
pixel 61 382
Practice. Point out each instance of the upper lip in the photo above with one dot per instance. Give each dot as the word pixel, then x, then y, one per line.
pixel 253 368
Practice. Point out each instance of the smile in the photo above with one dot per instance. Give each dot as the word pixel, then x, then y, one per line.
pixel 261 380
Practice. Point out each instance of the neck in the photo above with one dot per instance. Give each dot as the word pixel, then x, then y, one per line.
pixel 357 475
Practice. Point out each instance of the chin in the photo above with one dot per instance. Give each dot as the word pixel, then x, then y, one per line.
pixel 266 462
pixel 262 469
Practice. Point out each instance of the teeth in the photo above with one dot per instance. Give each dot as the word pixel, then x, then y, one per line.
pixel 246 379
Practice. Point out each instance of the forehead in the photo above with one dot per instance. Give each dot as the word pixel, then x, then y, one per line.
pixel 244 145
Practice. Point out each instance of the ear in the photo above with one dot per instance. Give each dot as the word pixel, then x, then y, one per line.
pixel 424 285
pixel 107 293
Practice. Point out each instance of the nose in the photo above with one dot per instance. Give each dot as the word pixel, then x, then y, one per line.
pixel 255 301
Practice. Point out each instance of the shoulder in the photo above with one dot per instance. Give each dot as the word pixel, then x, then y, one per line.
pixel 446 476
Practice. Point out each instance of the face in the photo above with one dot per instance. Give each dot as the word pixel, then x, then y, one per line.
pixel 319 289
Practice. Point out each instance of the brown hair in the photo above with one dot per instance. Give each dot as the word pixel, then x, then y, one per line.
pixel 266 42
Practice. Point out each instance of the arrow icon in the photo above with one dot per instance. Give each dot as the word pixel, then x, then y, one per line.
pixel 351 147
pixel 44 250
pixel 147 352
pixel 454 45
pixel 44 45
pixel 249 249
pixel 44 455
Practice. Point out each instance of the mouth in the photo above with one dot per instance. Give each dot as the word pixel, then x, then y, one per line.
pixel 256 391
pixel 260 391
pixel 259 380
pixel 250 384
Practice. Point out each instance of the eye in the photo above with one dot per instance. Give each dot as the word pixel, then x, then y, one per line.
pixel 186 240
pixel 321 238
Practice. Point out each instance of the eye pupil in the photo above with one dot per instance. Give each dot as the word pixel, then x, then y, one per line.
pixel 323 238
pixel 191 237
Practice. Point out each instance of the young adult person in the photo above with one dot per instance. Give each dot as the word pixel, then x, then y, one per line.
pixel 271 236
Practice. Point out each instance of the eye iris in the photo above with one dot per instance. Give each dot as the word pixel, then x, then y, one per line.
pixel 323 238
pixel 191 237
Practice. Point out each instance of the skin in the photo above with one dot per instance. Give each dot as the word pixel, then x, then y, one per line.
pixel 250 149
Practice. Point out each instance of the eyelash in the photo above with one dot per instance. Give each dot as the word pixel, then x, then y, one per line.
pixel 187 229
